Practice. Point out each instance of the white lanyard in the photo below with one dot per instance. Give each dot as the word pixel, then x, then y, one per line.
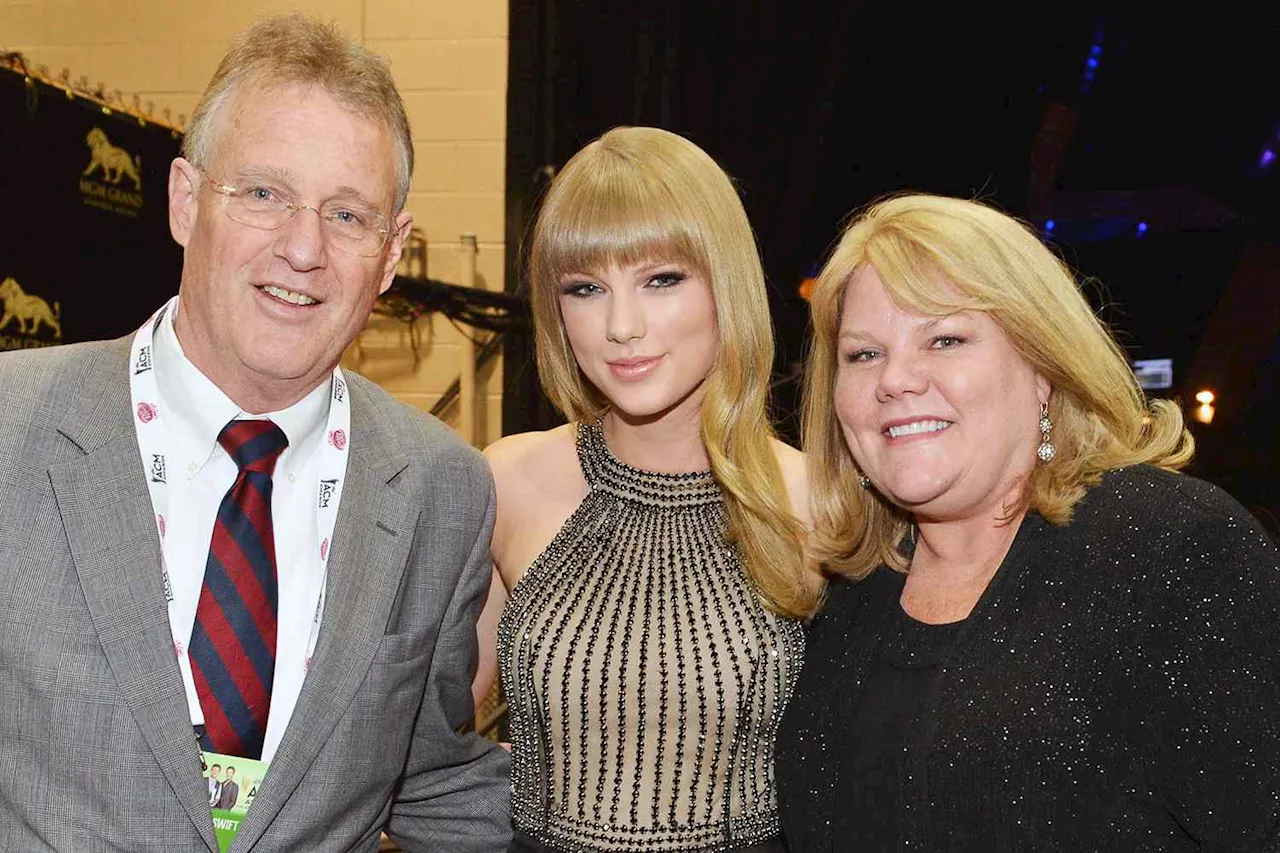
pixel 153 443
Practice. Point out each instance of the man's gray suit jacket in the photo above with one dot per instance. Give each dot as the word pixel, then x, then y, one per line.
pixel 97 751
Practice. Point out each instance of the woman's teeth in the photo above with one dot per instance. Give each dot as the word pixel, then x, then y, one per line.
pixel 917 427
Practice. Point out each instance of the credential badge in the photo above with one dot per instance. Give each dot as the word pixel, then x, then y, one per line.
pixel 144 361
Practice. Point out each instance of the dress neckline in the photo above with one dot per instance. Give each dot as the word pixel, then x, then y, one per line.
pixel 912 644
pixel 605 471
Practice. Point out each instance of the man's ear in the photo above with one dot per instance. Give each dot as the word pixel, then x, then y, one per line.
pixel 184 189
pixel 403 223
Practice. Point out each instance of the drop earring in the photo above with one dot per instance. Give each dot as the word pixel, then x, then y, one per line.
pixel 1046 451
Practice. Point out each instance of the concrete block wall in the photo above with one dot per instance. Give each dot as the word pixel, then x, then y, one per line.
pixel 449 59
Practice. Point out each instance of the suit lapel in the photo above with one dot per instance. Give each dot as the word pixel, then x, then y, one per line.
pixel 371 543
pixel 106 511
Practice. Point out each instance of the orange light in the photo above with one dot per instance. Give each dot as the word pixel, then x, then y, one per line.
pixel 1206 397
pixel 1204 413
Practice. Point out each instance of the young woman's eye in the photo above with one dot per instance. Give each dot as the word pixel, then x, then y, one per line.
pixel 667 279
pixel 946 342
pixel 580 288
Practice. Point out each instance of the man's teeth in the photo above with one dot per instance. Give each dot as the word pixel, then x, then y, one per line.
pixel 918 427
pixel 289 295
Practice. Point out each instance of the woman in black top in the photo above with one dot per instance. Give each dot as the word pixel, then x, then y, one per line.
pixel 1042 638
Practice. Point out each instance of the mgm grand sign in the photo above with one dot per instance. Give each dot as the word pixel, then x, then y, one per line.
pixel 113 179
pixel 28 321
pixel 99 173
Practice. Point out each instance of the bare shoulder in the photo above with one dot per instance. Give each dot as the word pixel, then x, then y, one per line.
pixel 795 476
pixel 539 484
pixel 527 459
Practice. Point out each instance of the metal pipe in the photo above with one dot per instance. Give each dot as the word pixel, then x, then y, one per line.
pixel 467 374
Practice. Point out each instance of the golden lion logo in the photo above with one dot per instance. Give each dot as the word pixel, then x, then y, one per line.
pixel 29 310
pixel 114 162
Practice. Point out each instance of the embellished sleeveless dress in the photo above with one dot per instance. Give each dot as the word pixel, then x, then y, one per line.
pixel 645 680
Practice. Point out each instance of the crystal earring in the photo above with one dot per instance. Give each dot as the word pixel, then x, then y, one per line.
pixel 1046 450
pixel 864 480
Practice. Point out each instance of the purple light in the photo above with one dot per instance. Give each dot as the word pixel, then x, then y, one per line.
pixel 1048 226
pixel 1092 62
pixel 1268 157
pixel 1096 50
pixel 1142 228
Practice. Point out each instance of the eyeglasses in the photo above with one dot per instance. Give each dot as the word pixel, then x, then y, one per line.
pixel 349 226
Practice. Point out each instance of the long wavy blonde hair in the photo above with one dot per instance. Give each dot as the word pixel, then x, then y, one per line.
pixel 640 194
pixel 937 256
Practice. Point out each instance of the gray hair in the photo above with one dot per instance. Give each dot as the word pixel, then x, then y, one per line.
pixel 296 49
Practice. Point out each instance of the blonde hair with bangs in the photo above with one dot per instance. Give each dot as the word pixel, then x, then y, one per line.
pixel 640 194
pixel 937 256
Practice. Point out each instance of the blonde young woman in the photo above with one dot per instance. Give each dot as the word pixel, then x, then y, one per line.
pixel 652 546
pixel 1046 639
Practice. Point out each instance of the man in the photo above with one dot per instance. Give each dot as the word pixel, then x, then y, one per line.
pixel 215 784
pixel 230 792
pixel 212 543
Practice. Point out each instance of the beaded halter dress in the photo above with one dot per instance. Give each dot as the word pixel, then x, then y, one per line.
pixel 645 679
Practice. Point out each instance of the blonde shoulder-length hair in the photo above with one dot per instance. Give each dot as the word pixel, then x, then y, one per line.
pixel 937 256
pixel 641 194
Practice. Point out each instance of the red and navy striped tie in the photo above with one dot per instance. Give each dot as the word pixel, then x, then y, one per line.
pixel 233 643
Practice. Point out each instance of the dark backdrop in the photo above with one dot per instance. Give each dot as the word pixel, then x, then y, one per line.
pixel 1139 137
pixel 85 237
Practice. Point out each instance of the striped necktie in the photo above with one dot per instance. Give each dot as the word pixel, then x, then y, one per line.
pixel 233 643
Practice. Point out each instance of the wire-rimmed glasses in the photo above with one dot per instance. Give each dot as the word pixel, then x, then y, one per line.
pixel 348 225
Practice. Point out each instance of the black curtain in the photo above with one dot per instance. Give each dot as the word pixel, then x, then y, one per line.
pixel 1105 118
pixel 85 251
pixel 814 107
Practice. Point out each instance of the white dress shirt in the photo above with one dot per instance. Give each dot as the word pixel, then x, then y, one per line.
pixel 200 473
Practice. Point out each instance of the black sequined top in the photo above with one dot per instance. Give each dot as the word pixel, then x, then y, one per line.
pixel 644 677
pixel 872 777
pixel 1116 688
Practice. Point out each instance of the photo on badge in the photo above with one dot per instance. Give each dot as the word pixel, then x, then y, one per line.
pixel 232 783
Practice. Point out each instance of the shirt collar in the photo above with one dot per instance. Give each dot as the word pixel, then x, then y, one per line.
pixel 198 409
